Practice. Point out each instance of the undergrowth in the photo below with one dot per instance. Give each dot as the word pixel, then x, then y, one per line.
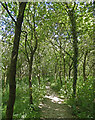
pixel 22 108
pixel 82 105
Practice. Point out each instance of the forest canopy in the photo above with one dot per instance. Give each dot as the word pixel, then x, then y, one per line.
pixel 47 43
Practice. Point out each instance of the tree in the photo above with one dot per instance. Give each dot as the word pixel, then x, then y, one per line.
pixel 56 46
pixel 94 60
pixel 12 69
pixel 72 17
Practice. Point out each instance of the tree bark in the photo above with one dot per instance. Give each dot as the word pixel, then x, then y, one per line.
pixel 94 60
pixel 75 48
pixel 12 70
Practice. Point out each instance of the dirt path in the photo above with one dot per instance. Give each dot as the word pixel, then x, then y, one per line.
pixel 54 107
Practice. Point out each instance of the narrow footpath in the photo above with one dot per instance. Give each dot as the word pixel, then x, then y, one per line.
pixel 54 107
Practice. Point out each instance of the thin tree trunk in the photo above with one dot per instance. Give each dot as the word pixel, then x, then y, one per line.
pixel 64 65
pixel 64 73
pixel 55 72
pixel 32 52
pixel 12 70
pixel 60 72
pixel 38 69
pixel 84 65
pixel 30 79
pixel 60 77
pixel 56 64
pixel 70 68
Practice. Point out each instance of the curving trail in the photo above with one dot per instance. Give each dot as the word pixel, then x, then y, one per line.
pixel 54 107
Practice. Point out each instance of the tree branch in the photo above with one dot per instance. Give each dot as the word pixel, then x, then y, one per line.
pixel 30 25
pixel 27 41
pixel 36 44
pixel 74 6
pixel 6 8
pixel 63 50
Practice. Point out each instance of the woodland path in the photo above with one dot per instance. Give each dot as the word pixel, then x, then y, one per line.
pixel 54 107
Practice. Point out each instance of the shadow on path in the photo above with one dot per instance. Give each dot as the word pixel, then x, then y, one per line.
pixel 54 107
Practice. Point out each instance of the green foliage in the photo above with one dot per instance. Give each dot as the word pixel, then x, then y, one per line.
pixel 66 89
pixel 53 28
pixel 22 108
pixel 82 105
pixel 56 86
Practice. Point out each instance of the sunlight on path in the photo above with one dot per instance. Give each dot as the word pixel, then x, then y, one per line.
pixel 54 99
pixel 54 107
pixel 52 96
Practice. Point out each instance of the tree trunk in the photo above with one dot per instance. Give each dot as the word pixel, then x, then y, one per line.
pixel 70 68
pixel 60 72
pixel 75 48
pixel 12 70
pixel 55 72
pixel 60 77
pixel 84 65
pixel 64 65
pixel 64 73
pixel 94 84
pixel 30 79
pixel 94 60
pixel 56 64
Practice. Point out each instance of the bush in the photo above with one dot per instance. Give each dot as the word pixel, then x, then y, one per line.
pixel 82 105
pixel 22 108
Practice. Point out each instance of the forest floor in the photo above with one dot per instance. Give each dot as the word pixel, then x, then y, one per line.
pixel 54 107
